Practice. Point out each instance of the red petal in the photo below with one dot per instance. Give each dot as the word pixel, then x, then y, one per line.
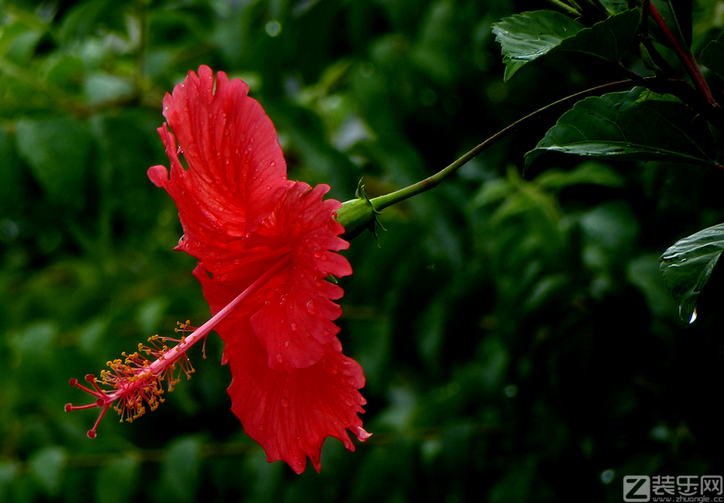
pixel 293 313
pixel 291 415
pixel 295 321
pixel 236 166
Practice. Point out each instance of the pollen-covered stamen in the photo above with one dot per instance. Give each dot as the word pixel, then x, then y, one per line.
pixel 184 328
pixel 135 381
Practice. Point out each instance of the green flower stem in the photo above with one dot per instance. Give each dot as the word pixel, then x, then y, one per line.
pixel 381 202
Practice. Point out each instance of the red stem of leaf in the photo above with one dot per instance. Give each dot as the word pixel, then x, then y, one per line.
pixel 686 57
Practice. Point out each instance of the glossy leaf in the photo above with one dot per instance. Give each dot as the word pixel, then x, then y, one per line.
pixel 632 125
pixel 526 37
pixel 688 264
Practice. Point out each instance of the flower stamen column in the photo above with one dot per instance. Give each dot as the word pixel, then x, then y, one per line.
pixel 138 380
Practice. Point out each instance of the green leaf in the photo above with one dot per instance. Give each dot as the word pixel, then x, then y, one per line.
pixel 9 33
pixel 526 37
pixel 47 464
pixel 122 474
pixel 180 469
pixel 688 264
pixel 614 6
pixel 101 87
pixel 56 151
pixel 66 73
pixel 593 173
pixel 712 56
pixel 632 125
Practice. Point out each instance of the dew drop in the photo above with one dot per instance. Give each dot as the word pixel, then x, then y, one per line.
pixel 324 258
pixel 293 326
pixel 286 344
pixel 280 358
pixel 317 252
pixel 310 307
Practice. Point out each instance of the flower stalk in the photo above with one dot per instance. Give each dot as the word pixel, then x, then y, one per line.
pixel 379 203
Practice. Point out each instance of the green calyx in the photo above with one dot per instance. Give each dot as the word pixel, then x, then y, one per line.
pixel 357 214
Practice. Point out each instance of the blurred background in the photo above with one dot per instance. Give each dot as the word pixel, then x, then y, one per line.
pixel 517 338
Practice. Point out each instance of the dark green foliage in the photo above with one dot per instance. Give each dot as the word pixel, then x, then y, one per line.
pixel 619 125
pixel 528 36
pixel 518 339
pixel 713 56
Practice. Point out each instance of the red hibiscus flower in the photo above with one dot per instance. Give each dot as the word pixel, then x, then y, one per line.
pixel 265 247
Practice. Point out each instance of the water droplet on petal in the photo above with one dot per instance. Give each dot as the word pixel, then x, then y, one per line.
pixel 324 258
pixel 310 307
pixel 285 402
pixel 286 344
pixel 317 252
pixel 293 326
pixel 280 358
